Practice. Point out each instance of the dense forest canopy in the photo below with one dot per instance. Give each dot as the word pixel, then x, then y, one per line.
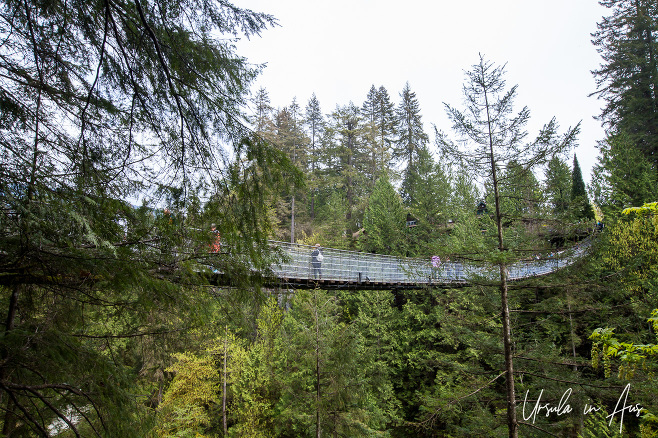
pixel 115 324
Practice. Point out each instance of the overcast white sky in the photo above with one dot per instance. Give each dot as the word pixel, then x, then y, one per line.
pixel 337 49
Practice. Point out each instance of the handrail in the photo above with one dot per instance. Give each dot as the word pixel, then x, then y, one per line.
pixel 357 267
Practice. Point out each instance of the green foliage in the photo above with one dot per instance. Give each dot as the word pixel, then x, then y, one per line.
pixel 152 96
pixel 412 139
pixel 521 195
pixel 258 388
pixel 384 221
pixel 623 176
pixel 558 186
pixel 597 425
pixel 379 129
pixel 324 388
pixel 627 78
pixel 580 201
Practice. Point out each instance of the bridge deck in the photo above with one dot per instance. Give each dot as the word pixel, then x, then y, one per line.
pixel 341 269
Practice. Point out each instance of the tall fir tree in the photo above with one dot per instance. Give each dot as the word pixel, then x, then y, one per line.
pixel 379 128
pixel 558 186
pixel 495 137
pixel 369 113
pixel 628 78
pixel 262 118
pixel 314 123
pixel 387 126
pixel 623 177
pixel 579 198
pixel 344 160
pixel 411 136
pixel 325 391
pixel 384 221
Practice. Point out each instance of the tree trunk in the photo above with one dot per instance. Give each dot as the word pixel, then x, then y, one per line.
pixel 512 424
pixel 224 382
pixel 318 433
pixel 292 220
pixel 9 422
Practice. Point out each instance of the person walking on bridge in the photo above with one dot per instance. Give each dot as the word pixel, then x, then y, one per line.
pixel 316 262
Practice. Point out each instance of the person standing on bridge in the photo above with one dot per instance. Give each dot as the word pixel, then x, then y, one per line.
pixel 316 261
pixel 216 245
pixel 436 264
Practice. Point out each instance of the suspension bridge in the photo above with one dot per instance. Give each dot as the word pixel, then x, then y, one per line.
pixel 342 269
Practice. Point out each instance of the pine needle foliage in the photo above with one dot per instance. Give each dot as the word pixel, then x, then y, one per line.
pixel 105 105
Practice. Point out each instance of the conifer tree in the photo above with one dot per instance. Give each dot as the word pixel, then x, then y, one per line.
pixel 429 192
pixel 623 176
pixel 465 194
pixel 291 140
pixel 386 122
pixel 379 117
pixel 411 134
pixel 345 161
pixel 558 186
pixel 582 207
pixel 520 191
pixel 384 221
pixel 262 118
pixel 105 102
pixel 314 122
pixel 325 390
pixel 496 136
pixel 369 113
pixel 628 79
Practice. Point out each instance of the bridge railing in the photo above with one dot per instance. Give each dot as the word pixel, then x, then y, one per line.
pixel 358 267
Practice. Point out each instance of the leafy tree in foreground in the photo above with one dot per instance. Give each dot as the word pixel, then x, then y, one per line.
pixel 102 102
pixel 625 350
pixel 498 136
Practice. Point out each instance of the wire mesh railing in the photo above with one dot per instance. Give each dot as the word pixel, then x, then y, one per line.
pixel 358 267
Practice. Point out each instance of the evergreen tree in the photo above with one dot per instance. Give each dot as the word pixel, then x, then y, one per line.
pixel 369 113
pixel 582 208
pixel 497 136
pixel 558 186
pixel 314 122
pixel 344 160
pixel 387 124
pixel 465 194
pixel 262 118
pixel 384 221
pixel 379 117
pixel 623 176
pixel 520 192
pixel 430 192
pixel 628 79
pixel 411 134
pixel 291 140
pixel 104 102
pixel 325 387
